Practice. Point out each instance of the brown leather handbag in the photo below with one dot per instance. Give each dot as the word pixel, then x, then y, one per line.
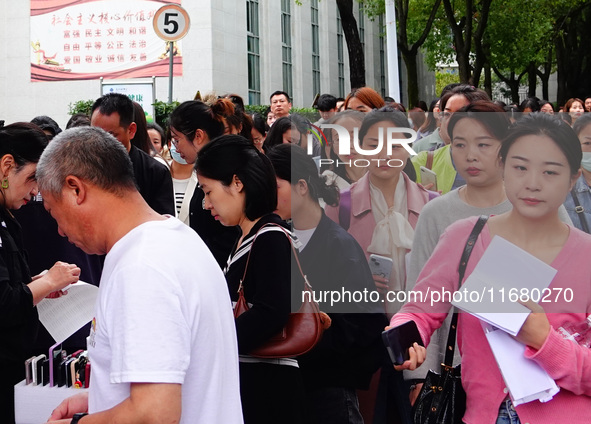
pixel 304 328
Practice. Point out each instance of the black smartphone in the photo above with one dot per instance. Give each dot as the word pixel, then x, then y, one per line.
pixel 399 339
pixel 45 367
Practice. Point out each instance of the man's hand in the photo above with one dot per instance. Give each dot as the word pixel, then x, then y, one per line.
pixel 69 407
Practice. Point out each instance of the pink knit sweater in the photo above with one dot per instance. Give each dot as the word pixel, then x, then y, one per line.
pixel 566 362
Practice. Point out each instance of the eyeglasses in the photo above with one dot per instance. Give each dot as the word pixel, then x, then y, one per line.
pixel 175 141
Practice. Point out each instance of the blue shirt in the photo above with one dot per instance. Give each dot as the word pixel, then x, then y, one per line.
pixel 583 192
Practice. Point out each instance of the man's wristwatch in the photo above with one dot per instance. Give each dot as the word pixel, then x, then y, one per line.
pixel 77 417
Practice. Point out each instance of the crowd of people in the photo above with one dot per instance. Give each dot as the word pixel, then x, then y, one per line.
pixel 174 223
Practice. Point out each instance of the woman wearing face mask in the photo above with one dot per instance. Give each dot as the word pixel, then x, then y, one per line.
pixel 192 125
pixel 541 157
pixel 578 202
pixel 184 180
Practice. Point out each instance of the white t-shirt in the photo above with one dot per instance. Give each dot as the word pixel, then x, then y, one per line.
pixel 165 321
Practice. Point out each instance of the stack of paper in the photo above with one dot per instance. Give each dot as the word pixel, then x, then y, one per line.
pixel 524 378
pixel 502 274
pixel 65 315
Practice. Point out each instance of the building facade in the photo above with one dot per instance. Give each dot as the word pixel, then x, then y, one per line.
pixel 247 47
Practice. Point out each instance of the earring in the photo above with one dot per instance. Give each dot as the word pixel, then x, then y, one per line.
pixel 5 182
pixel 203 204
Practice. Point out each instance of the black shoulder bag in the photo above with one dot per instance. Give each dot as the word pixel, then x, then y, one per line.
pixel 442 399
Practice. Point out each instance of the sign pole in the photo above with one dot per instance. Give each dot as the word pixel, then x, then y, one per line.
pixel 170 70
pixel 171 23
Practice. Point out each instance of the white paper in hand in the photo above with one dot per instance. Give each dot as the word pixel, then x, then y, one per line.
pixel 502 274
pixel 65 315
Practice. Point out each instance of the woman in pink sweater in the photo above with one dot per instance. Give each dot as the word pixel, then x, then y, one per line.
pixel 541 158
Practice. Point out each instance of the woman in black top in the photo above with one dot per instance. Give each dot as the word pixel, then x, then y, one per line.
pixel 240 190
pixel 21 145
pixel 351 350
pixel 193 124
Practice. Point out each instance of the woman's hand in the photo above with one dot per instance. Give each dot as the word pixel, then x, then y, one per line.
pixel 61 275
pixel 381 284
pixel 417 355
pixel 53 281
pixel 536 328
pixel 414 393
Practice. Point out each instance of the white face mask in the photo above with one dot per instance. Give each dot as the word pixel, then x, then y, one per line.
pixel 176 156
pixel 586 162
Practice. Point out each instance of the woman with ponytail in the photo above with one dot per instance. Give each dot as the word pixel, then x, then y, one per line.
pixel 350 350
pixel 193 124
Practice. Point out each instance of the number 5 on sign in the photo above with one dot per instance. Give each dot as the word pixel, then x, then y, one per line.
pixel 171 22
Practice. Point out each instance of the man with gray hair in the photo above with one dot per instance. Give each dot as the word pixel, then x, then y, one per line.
pixel 163 342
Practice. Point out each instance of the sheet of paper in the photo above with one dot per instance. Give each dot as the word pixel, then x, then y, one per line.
pixel 525 379
pixel 503 274
pixel 65 315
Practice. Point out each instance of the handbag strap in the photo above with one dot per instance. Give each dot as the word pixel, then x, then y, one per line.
pixel 295 253
pixel 580 211
pixel 451 337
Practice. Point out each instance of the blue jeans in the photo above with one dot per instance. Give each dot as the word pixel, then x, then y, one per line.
pixel 507 414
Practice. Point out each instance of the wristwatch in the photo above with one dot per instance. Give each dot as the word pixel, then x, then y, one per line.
pixel 77 417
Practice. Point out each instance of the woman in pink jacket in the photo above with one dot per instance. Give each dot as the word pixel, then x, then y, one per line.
pixel 541 158
pixel 381 210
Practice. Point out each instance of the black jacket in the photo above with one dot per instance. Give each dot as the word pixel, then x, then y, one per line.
pixel 154 181
pixel 351 350
pixel 19 321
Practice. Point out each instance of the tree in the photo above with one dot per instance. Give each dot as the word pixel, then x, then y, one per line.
pixel 572 43
pixel 519 36
pixel 354 46
pixel 408 15
pixel 468 24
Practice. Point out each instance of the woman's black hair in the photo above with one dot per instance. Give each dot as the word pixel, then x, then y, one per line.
pixel 24 141
pixel 546 125
pixel 430 123
pixel 230 155
pixel 398 119
pixel 532 103
pixel 581 123
pixel 293 164
pixel 275 134
pixel 141 139
pixel 492 116
pixel 341 171
pixel 260 123
pixel 195 115
pixel 154 126
pixel 387 114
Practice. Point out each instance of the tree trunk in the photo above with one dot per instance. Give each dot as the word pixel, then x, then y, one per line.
pixel 545 76
pixel 354 47
pixel 561 72
pixel 412 75
pixel 487 79
pixel 532 80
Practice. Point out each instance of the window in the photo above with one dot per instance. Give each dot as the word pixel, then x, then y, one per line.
pixel 254 59
pixel 286 46
pixel 315 48
pixel 340 56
